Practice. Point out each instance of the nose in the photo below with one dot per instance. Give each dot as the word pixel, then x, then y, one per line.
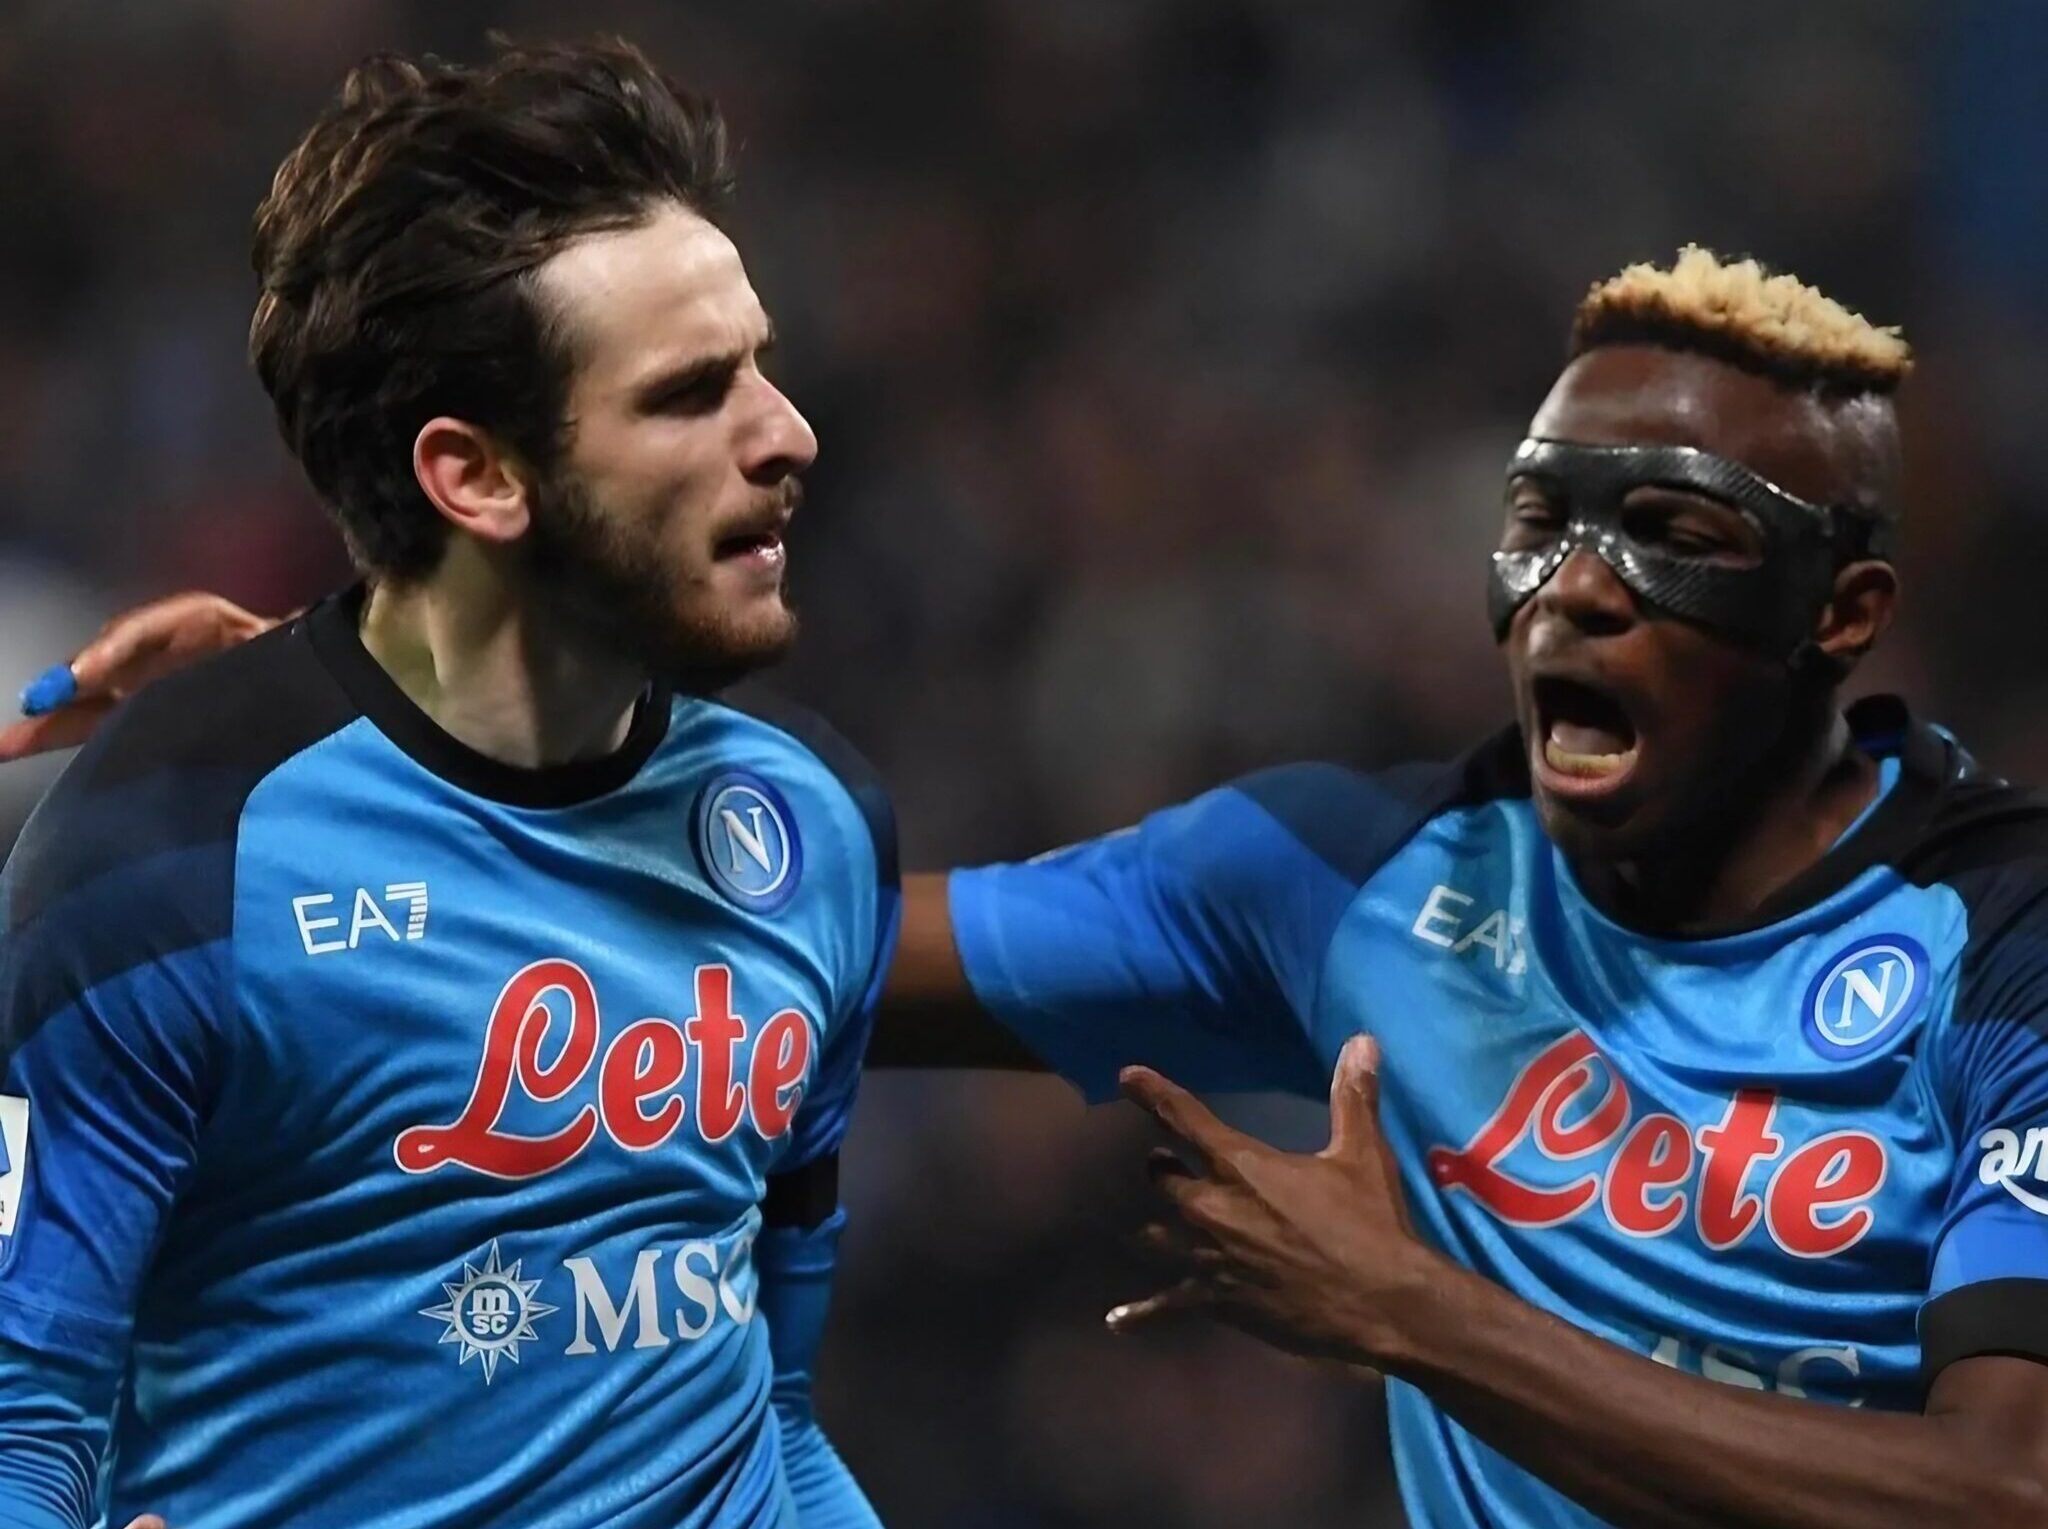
pixel 776 441
pixel 1588 594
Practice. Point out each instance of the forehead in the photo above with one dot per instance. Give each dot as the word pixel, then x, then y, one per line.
pixel 637 299
pixel 1641 395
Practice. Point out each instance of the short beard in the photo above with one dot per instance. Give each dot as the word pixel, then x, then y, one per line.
pixel 619 595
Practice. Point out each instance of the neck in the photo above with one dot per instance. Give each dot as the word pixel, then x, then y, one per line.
pixel 1734 864
pixel 494 670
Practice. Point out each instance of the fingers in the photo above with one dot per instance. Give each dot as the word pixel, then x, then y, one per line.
pixel 149 641
pixel 104 663
pixel 56 686
pixel 1163 1164
pixel 1354 1096
pixel 1188 1295
pixel 147 1521
pixel 1184 1115
pixel 62 729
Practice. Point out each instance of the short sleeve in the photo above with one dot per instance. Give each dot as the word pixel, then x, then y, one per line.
pixel 1193 942
pixel 1988 1285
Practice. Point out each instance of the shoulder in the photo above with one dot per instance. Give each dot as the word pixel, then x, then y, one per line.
pixel 170 769
pixel 129 862
pixel 1354 820
pixel 1277 855
pixel 1986 841
pixel 791 730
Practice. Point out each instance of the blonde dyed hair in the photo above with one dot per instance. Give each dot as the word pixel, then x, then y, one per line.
pixel 1742 313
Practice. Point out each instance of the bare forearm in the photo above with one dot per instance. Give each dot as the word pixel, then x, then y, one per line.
pixel 929 1016
pixel 1645 1445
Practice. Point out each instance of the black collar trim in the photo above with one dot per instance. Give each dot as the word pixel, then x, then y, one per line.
pixel 1931 764
pixel 334 629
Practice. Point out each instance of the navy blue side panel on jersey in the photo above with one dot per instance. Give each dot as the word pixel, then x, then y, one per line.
pixel 1988 1291
pixel 116 983
pixel 1193 942
pixel 821 1125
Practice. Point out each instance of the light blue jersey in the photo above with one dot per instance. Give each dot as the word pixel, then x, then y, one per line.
pixel 1808 1155
pixel 389 1131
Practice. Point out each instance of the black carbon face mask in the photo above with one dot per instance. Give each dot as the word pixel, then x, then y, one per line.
pixel 1771 606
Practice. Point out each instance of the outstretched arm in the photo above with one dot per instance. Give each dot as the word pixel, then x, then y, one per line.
pixel 929 1015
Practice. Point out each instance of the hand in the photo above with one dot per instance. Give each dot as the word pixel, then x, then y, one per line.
pixel 135 648
pixel 1314 1253
pixel 147 1521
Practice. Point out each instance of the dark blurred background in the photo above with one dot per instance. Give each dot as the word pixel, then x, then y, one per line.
pixel 1165 355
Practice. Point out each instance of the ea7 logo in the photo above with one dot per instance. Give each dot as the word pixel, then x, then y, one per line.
pixel 2008 1157
pixel 407 898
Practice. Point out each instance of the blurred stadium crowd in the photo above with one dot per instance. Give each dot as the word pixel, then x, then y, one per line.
pixel 1165 355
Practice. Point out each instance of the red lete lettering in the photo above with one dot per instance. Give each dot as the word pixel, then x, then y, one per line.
pixel 641 1101
pixel 1813 1203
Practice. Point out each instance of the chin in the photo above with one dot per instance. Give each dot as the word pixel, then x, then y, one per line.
pixel 1577 838
pixel 1689 820
pixel 711 649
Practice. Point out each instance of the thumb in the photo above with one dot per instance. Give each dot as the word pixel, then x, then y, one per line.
pixel 1354 1096
pixel 146 1521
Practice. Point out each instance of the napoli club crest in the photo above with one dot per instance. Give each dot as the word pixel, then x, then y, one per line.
pixel 1866 996
pixel 747 842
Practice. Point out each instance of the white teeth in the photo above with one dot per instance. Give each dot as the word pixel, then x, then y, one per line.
pixel 1567 763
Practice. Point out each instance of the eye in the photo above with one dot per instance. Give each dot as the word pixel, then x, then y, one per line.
pixel 1532 516
pixel 1688 529
pixel 701 392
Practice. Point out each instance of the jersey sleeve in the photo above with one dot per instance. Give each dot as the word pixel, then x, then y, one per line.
pixel 796 1265
pixel 1193 942
pixel 112 992
pixel 1988 1285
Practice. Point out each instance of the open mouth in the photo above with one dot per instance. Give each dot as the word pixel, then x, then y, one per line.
pixel 1586 740
pixel 766 545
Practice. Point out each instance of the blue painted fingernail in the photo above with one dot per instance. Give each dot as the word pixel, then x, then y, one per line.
pixel 56 686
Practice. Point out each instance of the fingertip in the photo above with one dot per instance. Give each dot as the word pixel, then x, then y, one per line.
pixel 1360 1054
pixel 56 686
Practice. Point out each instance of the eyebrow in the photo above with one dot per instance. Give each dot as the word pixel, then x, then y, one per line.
pixel 701 369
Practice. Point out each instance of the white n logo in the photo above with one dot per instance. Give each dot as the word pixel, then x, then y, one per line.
pixel 1856 985
pixel 752 840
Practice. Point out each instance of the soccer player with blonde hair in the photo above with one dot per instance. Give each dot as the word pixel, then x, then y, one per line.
pixel 1684 1042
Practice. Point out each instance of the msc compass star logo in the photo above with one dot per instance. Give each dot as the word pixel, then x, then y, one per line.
pixel 490 1312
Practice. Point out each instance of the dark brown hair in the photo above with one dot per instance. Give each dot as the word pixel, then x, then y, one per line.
pixel 396 251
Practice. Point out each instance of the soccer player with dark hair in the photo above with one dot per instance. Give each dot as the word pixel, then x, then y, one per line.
pixel 430 1028
pixel 1687 1043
